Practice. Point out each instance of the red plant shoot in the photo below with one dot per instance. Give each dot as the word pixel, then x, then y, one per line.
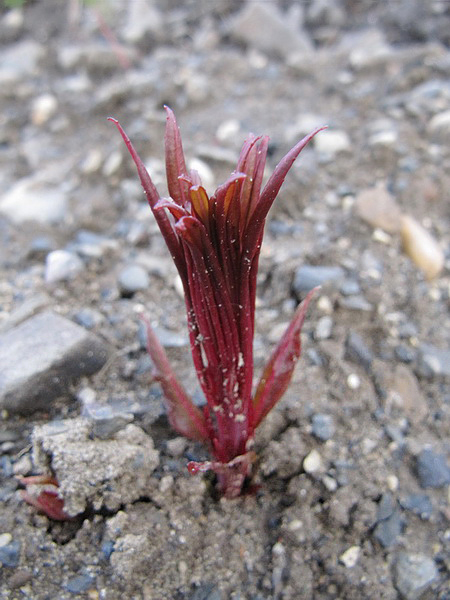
pixel 215 242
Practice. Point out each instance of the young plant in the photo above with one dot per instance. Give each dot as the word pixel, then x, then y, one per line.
pixel 215 243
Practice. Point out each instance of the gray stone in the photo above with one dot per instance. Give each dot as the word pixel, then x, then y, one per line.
pixel 61 265
pixel 264 27
pixel 39 247
pixel 105 420
pixel 377 207
pixel 419 504
pixel 432 469
pixel 88 317
pixel 349 287
pixel 27 309
pixel 332 142
pixel 323 328
pixel 386 507
pixel 17 62
pixel 356 302
pixel 357 351
pixel 143 21
pixel 206 591
pixel 308 277
pixel 433 362
pixel 80 583
pixel 168 339
pixel 404 353
pixel 132 279
pixel 387 531
pixel 40 358
pixel 439 127
pixel 32 199
pixel 10 554
pixel 413 574
pixel 322 426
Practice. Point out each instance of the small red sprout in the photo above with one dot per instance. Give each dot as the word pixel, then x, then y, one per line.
pixel 42 493
pixel 215 242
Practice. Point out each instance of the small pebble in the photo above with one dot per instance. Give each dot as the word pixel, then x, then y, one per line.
pixel 132 279
pixel 349 287
pixel 413 574
pixel 323 328
pixel 419 504
pixel 332 142
pixel 353 381
pixel 312 463
pixel 228 130
pixel 433 362
pixel 5 539
pixel 112 164
pixel 107 549
pixel 323 426
pixel 105 420
pixel 439 127
pixel 176 446
pixel 378 208
pixel 350 557
pixel 432 469
pixel 356 302
pixel 308 277
pixel 80 584
pixel 357 351
pixel 388 530
pixel 43 108
pixel 421 247
pixel 61 265
pixel 10 554
pixel 392 482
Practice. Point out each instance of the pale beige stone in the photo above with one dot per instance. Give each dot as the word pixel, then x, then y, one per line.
pixel 377 207
pixel 421 247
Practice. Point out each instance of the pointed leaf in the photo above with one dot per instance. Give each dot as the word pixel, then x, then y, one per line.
pixel 184 417
pixel 153 198
pixel 278 372
pixel 271 189
pixel 175 163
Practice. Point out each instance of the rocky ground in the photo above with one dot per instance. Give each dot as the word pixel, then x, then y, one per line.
pixel 352 498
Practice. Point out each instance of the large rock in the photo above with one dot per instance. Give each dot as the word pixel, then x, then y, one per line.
pixel 264 27
pixel 34 199
pixel 102 474
pixel 40 358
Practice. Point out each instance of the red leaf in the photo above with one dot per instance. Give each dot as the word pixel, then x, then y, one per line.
pixel 184 417
pixel 175 163
pixel 271 189
pixel 153 198
pixel 278 372
pixel 48 500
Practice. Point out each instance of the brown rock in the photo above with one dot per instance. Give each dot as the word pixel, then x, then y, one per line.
pixel 421 247
pixel 377 207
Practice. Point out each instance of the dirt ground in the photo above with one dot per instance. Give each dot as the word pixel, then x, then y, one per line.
pixel 351 491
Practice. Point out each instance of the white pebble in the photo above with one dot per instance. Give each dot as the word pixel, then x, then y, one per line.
pixel 350 557
pixel 353 381
pixel 61 265
pixel 392 482
pixel 332 142
pixel 228 130
pixel 43 108
pixel 312 463
pixel 5 539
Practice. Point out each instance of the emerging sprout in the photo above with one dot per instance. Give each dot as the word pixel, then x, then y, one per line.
pixel 215 243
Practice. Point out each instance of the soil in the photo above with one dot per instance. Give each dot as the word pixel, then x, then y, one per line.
pixel 340 502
